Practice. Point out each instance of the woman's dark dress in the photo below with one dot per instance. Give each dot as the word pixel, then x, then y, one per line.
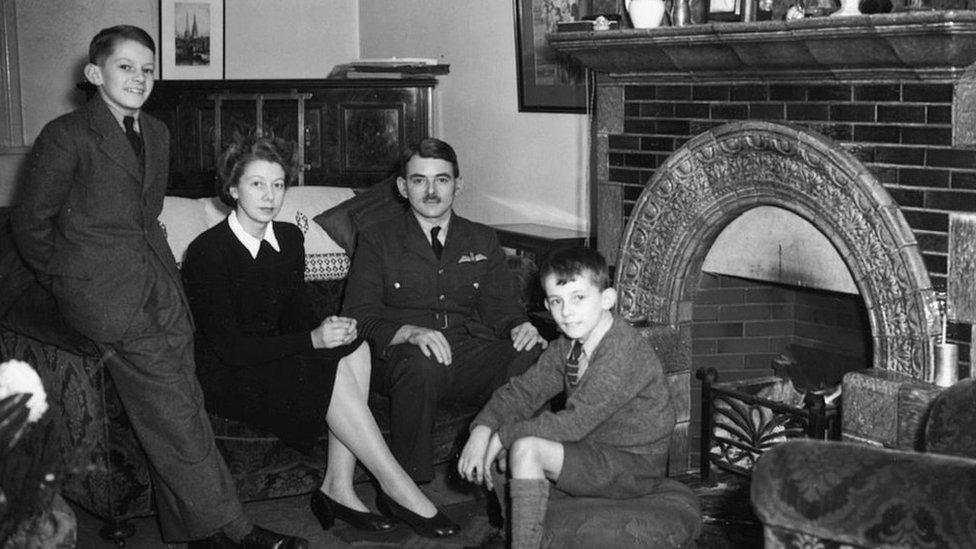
pixel 254 355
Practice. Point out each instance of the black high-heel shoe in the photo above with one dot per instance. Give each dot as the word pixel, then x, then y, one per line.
pixel 327 510
pixel 437 526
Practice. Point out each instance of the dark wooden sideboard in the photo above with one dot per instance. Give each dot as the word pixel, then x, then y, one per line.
pixel 351 131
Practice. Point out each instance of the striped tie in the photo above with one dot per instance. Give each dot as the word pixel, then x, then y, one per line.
pixel 572 363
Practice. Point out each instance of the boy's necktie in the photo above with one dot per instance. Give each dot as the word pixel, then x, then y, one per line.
pixel 131 134
pixel 435 242
pixel 572 363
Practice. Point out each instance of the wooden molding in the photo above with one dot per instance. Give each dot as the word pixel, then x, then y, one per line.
pixel 11 109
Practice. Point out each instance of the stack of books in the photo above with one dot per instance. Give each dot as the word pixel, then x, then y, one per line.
pixel 394 67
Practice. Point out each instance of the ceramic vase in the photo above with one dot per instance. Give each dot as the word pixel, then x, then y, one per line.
pixel 645 14
pixel 848 7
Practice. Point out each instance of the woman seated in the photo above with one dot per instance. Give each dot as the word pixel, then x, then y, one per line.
pixel 262 357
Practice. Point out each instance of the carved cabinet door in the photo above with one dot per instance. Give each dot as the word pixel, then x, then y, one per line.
pixel 349 133
pixel 355 135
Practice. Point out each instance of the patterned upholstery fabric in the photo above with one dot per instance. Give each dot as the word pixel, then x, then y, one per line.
pixel 951 427
pixel 112 478
pixel 830 495
pixel 670 518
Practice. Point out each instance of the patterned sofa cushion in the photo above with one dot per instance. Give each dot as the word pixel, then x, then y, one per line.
pixel 344 222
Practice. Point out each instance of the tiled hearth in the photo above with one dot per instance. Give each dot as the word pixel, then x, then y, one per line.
pixel 861 126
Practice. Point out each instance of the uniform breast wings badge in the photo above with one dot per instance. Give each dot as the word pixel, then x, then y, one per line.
pixel 472 258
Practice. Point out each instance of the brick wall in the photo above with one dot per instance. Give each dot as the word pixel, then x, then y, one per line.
pixel 901 131
pixel 739 326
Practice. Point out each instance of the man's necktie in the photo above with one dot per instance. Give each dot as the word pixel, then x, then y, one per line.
pixel 572 363
pixel 435 242
pixel 131 134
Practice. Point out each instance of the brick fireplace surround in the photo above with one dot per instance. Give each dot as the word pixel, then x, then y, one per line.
pixel 864 126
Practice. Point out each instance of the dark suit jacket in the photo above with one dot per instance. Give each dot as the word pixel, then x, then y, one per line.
pixel 396 279
pixel 87 222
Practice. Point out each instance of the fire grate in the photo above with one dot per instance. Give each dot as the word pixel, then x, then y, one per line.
pixel 743 419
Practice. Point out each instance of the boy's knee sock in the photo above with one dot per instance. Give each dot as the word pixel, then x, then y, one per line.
pixel 530 499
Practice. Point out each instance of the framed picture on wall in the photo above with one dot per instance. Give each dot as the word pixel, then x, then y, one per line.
pixel 191 39
pixel 547 80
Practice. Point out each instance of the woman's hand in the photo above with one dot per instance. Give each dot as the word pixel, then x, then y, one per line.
pixel 333 332
pixel 471 462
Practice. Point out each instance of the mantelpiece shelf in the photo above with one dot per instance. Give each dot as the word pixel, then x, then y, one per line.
pixel 925 46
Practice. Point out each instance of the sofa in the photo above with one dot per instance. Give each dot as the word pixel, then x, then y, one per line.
pixel 842 494
pixel 110 476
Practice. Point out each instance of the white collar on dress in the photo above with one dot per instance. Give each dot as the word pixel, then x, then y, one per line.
pixel 252 244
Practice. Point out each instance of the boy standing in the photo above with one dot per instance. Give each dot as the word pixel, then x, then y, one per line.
pixel 87 225
pixel 611 438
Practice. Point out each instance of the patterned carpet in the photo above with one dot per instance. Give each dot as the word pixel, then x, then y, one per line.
pixel 469 514
pixel 728 521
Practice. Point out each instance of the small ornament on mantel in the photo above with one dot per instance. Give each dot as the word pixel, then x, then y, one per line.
pixel 646 14
pixel 848 7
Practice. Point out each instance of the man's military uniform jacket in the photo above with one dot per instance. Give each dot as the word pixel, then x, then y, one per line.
pixel 396 279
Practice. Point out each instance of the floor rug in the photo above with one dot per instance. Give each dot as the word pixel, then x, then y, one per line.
pixel 471 515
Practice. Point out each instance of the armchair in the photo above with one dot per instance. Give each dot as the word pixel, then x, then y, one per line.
pixel 839 494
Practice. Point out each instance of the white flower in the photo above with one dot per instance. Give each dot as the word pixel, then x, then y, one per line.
pixel 19 377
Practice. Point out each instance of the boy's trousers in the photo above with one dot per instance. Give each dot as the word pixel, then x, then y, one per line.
pixel 153 369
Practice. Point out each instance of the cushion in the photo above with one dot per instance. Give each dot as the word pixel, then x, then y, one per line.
pixel 183 219
pixel 302 203
pixel 670 517
pixel 344 222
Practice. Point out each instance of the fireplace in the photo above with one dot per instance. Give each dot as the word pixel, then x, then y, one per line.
pixel 862 127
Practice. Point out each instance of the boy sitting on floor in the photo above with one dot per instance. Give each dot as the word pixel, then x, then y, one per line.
pixel 610 439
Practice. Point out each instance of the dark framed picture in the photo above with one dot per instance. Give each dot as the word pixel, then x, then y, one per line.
pixel 191 39
pixel 547 80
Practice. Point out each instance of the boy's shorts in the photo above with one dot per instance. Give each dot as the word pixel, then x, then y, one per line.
pixel 599 471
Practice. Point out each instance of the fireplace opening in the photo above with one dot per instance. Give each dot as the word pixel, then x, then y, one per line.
pixel 775 298
pixel 747 329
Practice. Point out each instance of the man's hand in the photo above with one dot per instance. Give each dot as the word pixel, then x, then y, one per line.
pixel 333 332
pixel 472 460
pixel 431 342
pixel 525 336
pixel 494 449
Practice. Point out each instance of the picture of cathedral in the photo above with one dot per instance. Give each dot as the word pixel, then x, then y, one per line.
pixel 192 33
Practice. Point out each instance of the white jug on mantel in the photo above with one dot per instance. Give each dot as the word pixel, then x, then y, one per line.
pixel 645 14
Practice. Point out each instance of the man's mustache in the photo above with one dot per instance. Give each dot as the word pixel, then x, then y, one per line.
pixel 432 198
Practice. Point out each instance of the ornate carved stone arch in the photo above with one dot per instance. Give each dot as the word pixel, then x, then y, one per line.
pixel 720 174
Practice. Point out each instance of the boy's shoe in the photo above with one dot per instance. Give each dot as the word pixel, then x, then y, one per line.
pixel 257 538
